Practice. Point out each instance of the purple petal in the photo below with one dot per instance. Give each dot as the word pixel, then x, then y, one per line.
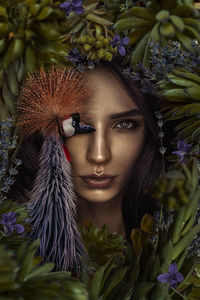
pixel 173 269
pixel 76 3
pixel 8 229
pixel 125 40
pixel 4 219
pixel 19 228
pixel 12 217
pixel 122 50
pixel 181 144
pixel 78 10
pixel 65 5
pixel 179 277
pixel 116 38
pixel 173 283
pixel 163 277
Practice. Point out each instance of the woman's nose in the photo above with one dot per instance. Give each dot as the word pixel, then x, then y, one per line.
pixel 98 148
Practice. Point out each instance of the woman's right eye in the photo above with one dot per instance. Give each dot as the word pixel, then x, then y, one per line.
pixel 127 124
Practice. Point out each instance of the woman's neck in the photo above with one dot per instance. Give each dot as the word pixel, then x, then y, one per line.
pixel 109 213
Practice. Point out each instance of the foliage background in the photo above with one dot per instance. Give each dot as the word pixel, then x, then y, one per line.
pixel 35 33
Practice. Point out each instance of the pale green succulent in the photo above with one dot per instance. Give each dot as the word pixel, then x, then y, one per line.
pixel 181 89
pixel 159 21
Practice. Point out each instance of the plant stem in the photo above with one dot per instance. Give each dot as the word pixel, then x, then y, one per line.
pixel 178 292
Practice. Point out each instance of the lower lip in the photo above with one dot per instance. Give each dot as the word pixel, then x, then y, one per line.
pixel 99 183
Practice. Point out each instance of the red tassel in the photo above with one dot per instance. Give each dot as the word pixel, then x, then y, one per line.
pixel 67 154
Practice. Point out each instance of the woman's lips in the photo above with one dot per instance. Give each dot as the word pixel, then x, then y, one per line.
pixel 95 182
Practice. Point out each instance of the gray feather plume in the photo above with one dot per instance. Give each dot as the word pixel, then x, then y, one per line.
pixel 53 210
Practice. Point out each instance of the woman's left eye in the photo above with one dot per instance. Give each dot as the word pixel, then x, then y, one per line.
pixel 126 124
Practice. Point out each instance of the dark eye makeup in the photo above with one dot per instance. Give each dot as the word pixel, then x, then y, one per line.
pixel 127 124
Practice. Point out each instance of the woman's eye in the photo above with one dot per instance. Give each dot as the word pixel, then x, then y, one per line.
pixel 126 124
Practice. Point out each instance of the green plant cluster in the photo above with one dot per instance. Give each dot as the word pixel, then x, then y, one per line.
pixel 129 271
pixel 22 276
pixel 181 89
pixel 159 21
pixel 95 48
pixel 36 33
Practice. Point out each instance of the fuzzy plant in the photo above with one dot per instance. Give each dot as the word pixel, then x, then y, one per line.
pixel 9 161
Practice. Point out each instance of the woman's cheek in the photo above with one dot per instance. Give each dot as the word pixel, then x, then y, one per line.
pixel 128 148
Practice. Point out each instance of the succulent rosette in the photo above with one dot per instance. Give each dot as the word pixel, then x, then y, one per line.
pixel 159 21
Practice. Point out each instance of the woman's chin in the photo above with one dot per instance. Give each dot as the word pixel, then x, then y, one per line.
pixel 98 195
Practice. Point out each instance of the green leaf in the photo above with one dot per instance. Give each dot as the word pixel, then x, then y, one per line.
pixel 177 95
pixel 115 279
pixel 193 92
pixel 95 284
pixel 99 20
pixel 155 268
pixel 15 50
pixel 182 82
pixel 45 12
pixel 35 8
pixel 40 270
pixel 27 261
pixel 30 59
pixel 130 23
pixel 160 292
pixel 138 52
pixel 185 241
pixel 185 74
pixel 178 225
pixel 167 29
pixel 48 30
pixel 142 289
pixel 166 255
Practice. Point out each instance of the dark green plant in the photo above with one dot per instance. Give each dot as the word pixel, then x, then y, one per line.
pixel 159 21
pixel 8 159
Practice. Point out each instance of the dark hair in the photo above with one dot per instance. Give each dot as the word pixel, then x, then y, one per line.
pixel 136 201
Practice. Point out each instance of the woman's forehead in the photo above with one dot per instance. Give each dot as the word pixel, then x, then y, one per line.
pixel 110 97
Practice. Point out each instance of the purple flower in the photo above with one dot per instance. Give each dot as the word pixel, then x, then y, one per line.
pixel 8 221
pixel 172 277
pixel 183 149
pixel 119 43
pixel 74 5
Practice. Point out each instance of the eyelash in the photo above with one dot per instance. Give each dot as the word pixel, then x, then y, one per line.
pixel 134 123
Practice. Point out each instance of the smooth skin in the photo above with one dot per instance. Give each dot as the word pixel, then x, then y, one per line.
pixel 113 149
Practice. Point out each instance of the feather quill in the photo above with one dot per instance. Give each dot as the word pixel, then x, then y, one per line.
pixel 53 210
pixel 45 100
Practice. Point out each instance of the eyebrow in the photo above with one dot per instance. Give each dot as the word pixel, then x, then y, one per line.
pixel 132 112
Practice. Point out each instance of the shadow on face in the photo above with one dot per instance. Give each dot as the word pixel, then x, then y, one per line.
pixel 114 148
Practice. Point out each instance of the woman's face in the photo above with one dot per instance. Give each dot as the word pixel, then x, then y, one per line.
pixel 109 153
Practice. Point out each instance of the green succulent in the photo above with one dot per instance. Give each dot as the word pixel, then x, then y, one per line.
pixel 31 29
pixel 101 244
pixel 159 21
pixel 174 189
pixel 181 89
pixel 31 35
pixel 95 48
pixel 93 21
pixel 22 278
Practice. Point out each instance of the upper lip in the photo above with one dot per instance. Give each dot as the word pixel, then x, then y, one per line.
pixel 98 176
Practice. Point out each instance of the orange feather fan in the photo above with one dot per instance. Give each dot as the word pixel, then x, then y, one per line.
pixel 48 97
